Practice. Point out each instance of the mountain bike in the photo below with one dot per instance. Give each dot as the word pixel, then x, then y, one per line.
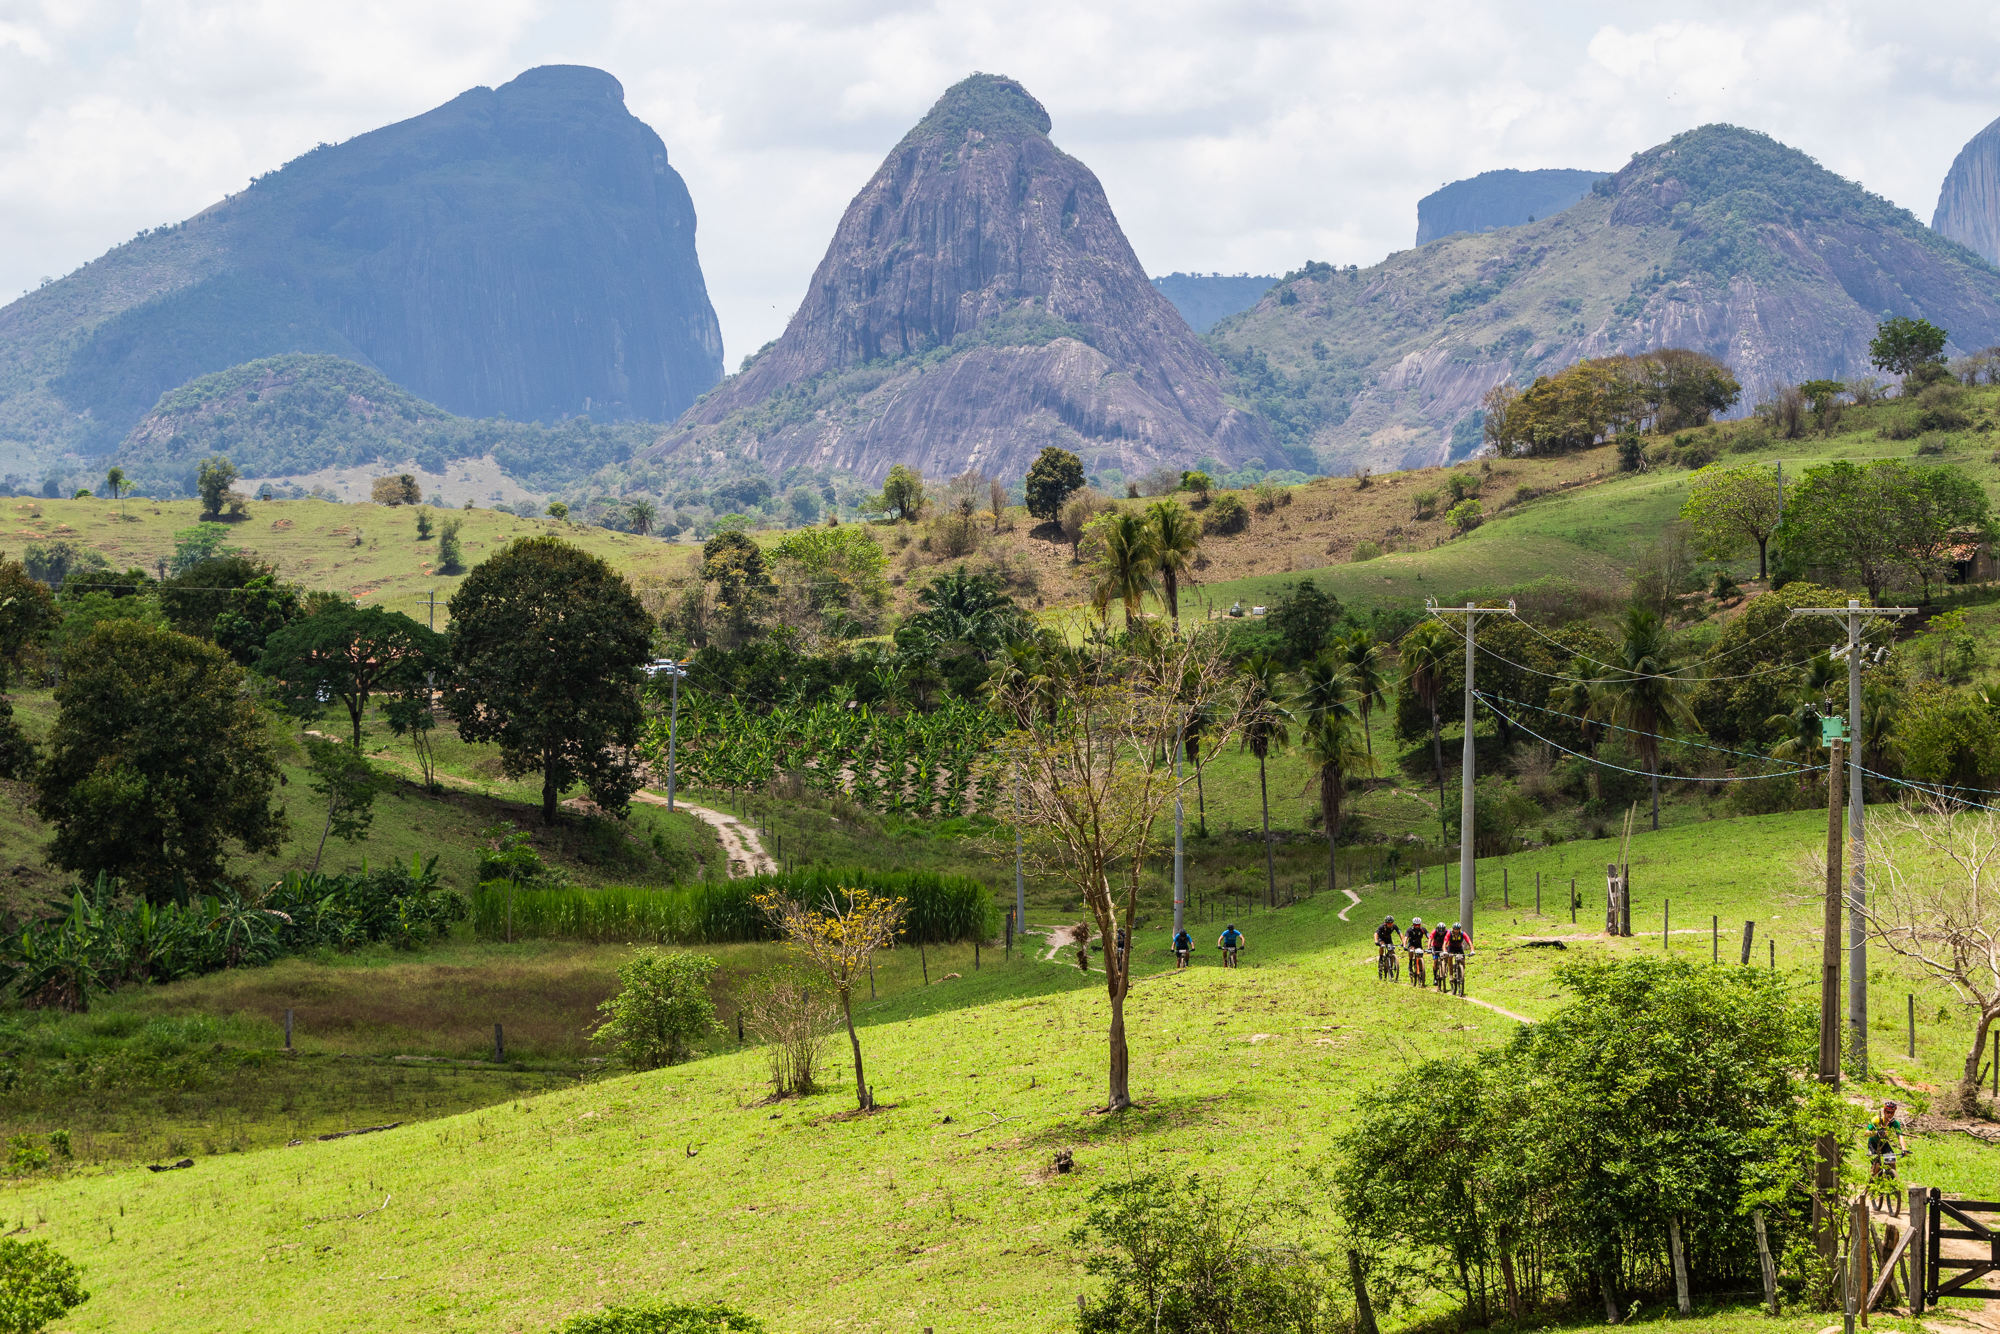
pixel 1440 978
pixel 1387 967
pixel 1229 953
pixel 1416 968
pixel 1455 970
pixel 1884 1190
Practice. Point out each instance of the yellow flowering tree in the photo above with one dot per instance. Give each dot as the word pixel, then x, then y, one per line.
pixel 837 939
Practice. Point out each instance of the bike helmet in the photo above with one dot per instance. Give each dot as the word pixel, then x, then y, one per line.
pixel 1232 926
pixel 1416 921
pixel 1455 926
pixel 1391 919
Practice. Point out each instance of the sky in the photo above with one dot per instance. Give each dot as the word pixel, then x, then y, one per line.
pixel 1241 136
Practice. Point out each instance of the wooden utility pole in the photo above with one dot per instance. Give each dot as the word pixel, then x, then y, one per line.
pixel 1826 1216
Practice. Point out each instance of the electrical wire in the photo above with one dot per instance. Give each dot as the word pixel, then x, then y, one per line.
pixel 1774 668
pixel 1671 740
pixel 1606 764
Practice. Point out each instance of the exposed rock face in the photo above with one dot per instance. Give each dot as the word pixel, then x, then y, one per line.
pixel 1968 209
pixel 1204 298
pixel 1505 198
pixel 524 251
pixel 1721 240
pixel 978 302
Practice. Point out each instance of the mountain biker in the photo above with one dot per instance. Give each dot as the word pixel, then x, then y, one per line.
pixel 1438 935
pixel 1387 937
pixel 1229 942
pixel 1885 1135
pixel 1413 941
pixel 1183 947
pixel 1457 945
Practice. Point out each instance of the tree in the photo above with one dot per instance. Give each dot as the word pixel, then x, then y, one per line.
pixel 903 493
pixel 451 556
pixel 547 647
pixel 964 611
pixel 1055 476
pixel 54 562
pixel 1946 510
pixel 661 1010
pixel 1465 516
pixel 742 579
pixel 1935 900
pixel 559 511
pixel 1331 750
pixel 425 528
pixel 38 1286
pixel 1265 724
pixel 1426 651
pixel 1363 654
pixel 1645 692
pixel 28 615
pixel 213 478
pixel 1094 742
pixel 996 501
pixel 1304 616
pixel 640 514
pixel 158 760
pixel 1902 344
pixel 234 600
pixel 347 783
pixel 348 653
pixel 1176 543
pixel 839 572
pixel 1125 566
pixel 1870 520
pixel 1728 506
pixel 838 939
pixel 401 489
pixel 114 482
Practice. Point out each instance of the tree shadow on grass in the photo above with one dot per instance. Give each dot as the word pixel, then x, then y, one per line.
pixel 1149 1117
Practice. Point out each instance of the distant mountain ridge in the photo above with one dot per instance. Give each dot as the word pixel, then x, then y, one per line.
pixel 1968 207
pixel 1721 239
pixel 1204 298
pixel 978 302
pixel 1503 198
pixel 524 251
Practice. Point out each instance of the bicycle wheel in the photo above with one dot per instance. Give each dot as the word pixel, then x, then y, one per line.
pixel 1458 977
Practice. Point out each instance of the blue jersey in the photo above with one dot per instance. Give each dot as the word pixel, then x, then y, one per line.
pixel 1183 941
pixel 1231 938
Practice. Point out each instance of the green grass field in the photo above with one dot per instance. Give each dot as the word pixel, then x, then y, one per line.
pixel 939 1211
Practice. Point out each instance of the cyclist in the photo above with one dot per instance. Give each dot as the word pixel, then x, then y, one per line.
pixel 1413 941
pixel 1438 935
pixel 1229 942
pixel 1458 945
pixel 1885 1140
pixel 1183 947
pixel 1387 936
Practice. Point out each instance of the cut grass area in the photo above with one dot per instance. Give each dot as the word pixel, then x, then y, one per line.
pixel 682 1182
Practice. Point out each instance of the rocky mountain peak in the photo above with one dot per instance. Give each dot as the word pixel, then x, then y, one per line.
pixel 991 105
pixel 1968 208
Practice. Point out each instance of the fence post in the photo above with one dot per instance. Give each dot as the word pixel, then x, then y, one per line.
pixel 1666 923
pixel 1538 893
pixel 1572 900
pixel 1625 899
pixel 1749 934
pixel 1773 943
pixel 1420 882
pixel 288 1025
pixel 1913 1025
pixel 1919 1248
pixel 975 954
pixel 1714 938
pixel 1010 933
pixel 1611 898
pixel 1765 1262
pixel 1680 1266
pixel 499 1046
pixel 739 1028
pixel 1505 900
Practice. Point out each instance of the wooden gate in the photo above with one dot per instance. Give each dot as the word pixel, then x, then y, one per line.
pixel 1946 1219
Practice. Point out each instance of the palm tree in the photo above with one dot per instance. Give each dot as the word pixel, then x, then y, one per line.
pixel 1266 723
pixel 1426 652
pixel 1176 541
pixel 1801 740
pixel 1363 653
pixel 114 482
pixel 1125 564
pixel 641 513
pixel 1646 692
pixel 1574 698
pixel 1330 748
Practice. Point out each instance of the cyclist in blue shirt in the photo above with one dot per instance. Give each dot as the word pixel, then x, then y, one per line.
pixel 1230 942
pixel 1183 947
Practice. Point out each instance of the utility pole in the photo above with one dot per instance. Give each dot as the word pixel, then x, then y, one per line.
pixel 432 598
pixel 1467 863
pixel 1826 1221
pixel 673 671
pixel 1020 884
pixel 1180 821
pixel 1857 902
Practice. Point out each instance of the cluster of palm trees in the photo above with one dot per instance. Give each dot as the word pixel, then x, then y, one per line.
pixel 1330 699
pixel 1141 552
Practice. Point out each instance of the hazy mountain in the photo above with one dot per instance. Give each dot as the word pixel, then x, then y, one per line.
pixel 1968 208
pixel 1722 240
pixel 1204 298
pixel 1505 198
pixel 978 302
pixel 524 251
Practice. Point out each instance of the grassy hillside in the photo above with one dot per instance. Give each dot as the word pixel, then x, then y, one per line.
pixel 938 1211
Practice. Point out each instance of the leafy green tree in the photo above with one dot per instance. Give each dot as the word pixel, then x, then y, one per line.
pixel 28 615
pixel 114 482
pixel 347 783
pixel 661 1010
pixel 157 762
pixel 1056 475
pixel 213 478
pixel 841 572
pixel 1740 692
pixel 38 1286
pixel 1948 738
pixel 1871 520
pixel 1946 510
pixel 1126 564
pixel 1333 749
pixel 425 528
pixel 1428 654
pixel 1646 693
pixel 559 511
pixel 1727 507
pixel 640 514
pixel 1176 544
pixel 1305 617
pixel 451 554
pixel 903 493
pixel 348 653
pixel 53 562
pixel 1363 654
pixel 1266 724
pixel 1465 516
pixel 547 647
pixel 742 579
pixel 202 542
pixel 234 600
pixel 1902 344
pixel 964 611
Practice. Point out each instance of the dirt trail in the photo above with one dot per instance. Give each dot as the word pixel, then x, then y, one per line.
pixel 741 847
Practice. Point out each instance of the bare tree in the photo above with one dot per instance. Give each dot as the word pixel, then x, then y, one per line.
pixel 1935 901
pixel 1096 733
pixel 791 1014
pixel 996 500
pixel 838 939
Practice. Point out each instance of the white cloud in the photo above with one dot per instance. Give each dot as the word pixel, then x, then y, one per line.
pixel 1231 136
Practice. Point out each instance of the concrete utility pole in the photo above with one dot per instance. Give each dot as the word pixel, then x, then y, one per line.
pixel 1467 862
pixel 1180 820
pixel 1857 901
pixel 1826 1223
pixel 673 671
pixel 1020 884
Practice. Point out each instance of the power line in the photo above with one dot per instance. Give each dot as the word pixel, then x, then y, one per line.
pixel 1678 741
pixel 1606 764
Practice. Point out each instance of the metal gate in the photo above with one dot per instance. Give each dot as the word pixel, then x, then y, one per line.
pixel 1946 1219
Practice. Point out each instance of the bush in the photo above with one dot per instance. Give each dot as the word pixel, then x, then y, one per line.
pixel 656 1318
pixel 1462 483
pixel 785 1012
pixel 1465 516
pixel 1225 516
pixel 451 555
pixel 1425 504
pixel 1365 550
pixel 661 1009
pixel 37 1286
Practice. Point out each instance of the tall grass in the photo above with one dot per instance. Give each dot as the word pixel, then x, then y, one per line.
pixel 939 908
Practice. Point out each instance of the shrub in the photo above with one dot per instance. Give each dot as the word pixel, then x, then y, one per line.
pixel 1270 496
pixel 1465 516
pixel 1425 503
pixel 451 556
pixel 661 1009
pixel 792 1019
pixel 1225 516
pixel 1631 452
pixel 424 526
pixel 1365 550
pixel 1930 444
pixel 1462 483
pixel 37 1286
pixel 657 1318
